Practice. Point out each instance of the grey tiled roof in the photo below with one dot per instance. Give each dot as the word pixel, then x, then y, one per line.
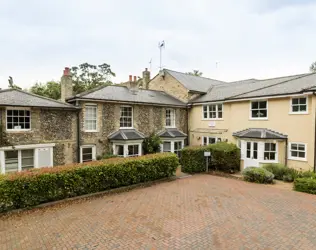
pixel 259 133
pixel 124 94
pixel 248 89
pixel 194 83
pixel 15 97
pixel 126 134
pixel 171 133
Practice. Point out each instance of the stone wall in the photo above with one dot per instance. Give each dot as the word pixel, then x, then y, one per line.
pixel 48 126
pixel 146 119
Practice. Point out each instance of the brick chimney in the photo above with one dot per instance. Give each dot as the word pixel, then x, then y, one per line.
pixel 66 85
pixel 146 78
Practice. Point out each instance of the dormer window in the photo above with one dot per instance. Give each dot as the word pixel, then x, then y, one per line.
pixel 126 120
pixel 18 119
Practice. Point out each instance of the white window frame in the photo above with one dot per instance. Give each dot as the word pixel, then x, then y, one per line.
pixel 291 112
pixel 258 118
pixel 96 117
pixel 208 112
pixel 171 144
pixel 125 145
pixel 93 152
pixel 276 152
pixel 127 106
pixel 36 147
pixel 217 139
pixel 290 157
pixel 172 118
pixel 18 108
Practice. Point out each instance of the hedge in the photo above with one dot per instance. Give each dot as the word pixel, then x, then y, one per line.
pixel 224 157
pixel 257 175
pixel 306 185
pixel 30 188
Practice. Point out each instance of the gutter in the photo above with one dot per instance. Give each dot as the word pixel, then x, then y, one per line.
pixel 78 133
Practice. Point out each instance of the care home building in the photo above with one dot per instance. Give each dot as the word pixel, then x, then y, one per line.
pixel 271 120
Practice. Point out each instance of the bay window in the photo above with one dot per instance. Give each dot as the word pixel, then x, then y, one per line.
pixel 127 149
pixel 270 152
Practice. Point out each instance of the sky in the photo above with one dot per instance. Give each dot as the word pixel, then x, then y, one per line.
pixel 225 39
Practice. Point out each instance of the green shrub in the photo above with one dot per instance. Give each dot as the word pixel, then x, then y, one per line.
pixel 306 185
pixel 307 174
pixel 288 177
pixel 257 175
pixel 224 157
pixel 279 170
pixel 31 188
pixel 106 156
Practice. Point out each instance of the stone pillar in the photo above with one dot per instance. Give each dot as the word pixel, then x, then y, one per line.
pixel 66 85
pixel 146 78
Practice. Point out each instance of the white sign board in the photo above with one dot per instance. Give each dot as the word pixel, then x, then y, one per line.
pixel 207 154
pixel 212 124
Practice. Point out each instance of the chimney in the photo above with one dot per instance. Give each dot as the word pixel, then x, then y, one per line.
pixel 135 78
pixel 66 85
pixel 146 78
pixel 130 78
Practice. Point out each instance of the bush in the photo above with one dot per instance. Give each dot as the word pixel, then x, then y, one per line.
pixel 257 175
pixel 279 170
pixel 224 157
pixel 306 185
pixel 151 144
pixel 106 156
pixel 30 188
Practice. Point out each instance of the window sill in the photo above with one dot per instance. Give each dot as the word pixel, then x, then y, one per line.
pixel 258 119
pixel 212 119
pixel 298 113
pixel 170 127
pixel 126 127
pixel 298 159
pixel 18 131
pixel 90 131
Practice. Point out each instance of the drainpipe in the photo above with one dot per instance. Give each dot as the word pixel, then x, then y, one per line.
pixel 78 133
pixel 187 132
pixel 286 151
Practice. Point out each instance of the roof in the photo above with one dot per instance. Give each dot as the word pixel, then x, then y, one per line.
pixel 171 133
pixel 16 97
pixel 268 87
pixel 194 83
pixel 124 94
pixel 259 133
pixel 126 134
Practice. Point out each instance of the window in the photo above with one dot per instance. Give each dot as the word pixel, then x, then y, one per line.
pixel 299 105
pixel 259 109
pixel 88 153
pixel 213 111
pixel 297 151
pixel 269 151
pixel 90 120
pixel 248 150
pixel 18 119
pixel 177 147
pixel 119 149
pixel 210 140
pixel 133 150
pixel 12 159
pixel 255 151
pixel 170 118
pixel 167 146
pixel 126 120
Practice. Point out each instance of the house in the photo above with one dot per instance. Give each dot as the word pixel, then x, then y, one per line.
pixel 35 131
pixel 271 120
pixel 116 119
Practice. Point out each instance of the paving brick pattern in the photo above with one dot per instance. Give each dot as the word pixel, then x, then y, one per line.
pixel 199 212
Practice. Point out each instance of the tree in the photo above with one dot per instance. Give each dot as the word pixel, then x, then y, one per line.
pixel 84 77
pixel 195 73
pixel 11 84
pixel 312 68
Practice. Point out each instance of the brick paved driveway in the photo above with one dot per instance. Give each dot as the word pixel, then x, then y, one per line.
pixel 200 212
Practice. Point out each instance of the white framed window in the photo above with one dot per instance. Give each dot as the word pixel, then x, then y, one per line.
pixel 213 111
pixel 166 146
pixel 177 148
pixel 210 140
pixel 127 149
pixel 173 146
pixel 90 118
pixel 170 118
pixel 259 110
pixel 270 151
pixel 299 105
pixel 18 119
pixel 87 153
pixel 126 119
pixel 298 151
pixel 18 160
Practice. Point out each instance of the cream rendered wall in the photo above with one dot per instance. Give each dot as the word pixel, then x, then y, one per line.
pixel 236 117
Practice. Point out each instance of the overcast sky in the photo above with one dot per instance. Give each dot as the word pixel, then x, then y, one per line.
pixel 249 38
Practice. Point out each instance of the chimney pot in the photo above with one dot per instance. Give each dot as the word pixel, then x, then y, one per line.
pixel 130 78
pixel 66 71
pixel 146 69
pixel 135 78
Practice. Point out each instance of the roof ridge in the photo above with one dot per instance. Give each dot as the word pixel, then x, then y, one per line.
pixel 282 82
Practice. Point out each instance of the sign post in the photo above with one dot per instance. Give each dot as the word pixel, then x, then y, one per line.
pixel 207 155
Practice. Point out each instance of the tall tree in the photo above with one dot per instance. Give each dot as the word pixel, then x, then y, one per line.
pixel 11 84
pixel 312 68
pixel 195 73
pixel 84 77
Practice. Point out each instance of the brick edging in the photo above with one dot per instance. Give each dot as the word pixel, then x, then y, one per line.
pixel 226 175
pixel 88 196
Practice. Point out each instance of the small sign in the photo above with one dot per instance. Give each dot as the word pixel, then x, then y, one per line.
pixel 212 124
pixel 207 154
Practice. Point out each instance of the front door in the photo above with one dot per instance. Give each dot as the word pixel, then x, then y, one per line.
pixel 251 154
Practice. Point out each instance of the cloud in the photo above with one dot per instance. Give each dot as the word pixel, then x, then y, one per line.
pixel 250 38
